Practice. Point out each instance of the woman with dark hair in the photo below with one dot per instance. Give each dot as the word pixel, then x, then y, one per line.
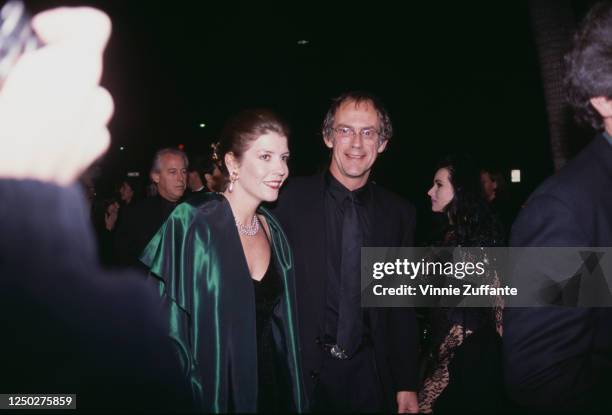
pixel 130 190
pixel 225 268
pixel 463 346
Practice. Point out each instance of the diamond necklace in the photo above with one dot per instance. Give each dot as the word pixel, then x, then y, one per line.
pixel 248 230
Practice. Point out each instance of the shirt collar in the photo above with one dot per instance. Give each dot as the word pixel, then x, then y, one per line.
pixel 339 192
pixel 166 202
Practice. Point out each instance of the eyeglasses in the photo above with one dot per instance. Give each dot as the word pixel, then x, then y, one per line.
pixel 368 133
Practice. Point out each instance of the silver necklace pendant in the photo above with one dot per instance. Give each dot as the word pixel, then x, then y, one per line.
pixel 248 230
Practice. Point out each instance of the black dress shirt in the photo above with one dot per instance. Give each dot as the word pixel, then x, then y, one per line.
pixel 335 194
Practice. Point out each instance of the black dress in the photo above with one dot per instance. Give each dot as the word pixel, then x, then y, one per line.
pixel 267 295
pixel 463 362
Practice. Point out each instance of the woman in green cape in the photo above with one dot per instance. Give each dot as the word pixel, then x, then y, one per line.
pixel 225 269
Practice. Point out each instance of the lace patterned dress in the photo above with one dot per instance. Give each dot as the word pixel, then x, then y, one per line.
pixel 462 362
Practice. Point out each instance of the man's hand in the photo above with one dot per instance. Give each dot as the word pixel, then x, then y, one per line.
pixel 407 402
pixel 53 113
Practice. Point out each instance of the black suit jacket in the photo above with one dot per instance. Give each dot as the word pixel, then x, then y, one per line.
pixel 300 210
pixel 67 326
pixel 136 228
pixel 561 358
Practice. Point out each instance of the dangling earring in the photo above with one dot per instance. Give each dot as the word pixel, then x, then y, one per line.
pixel 233 178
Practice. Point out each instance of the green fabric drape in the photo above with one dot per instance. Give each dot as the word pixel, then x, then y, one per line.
pixel 198 260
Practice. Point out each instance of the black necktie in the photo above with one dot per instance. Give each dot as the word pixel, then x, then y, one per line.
pixel 350 330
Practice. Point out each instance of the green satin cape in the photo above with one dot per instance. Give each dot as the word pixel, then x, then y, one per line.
pixel 198 260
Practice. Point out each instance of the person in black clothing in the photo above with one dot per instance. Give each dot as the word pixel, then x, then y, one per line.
pixel 560 358
pixel 105 215
pixel 355 360
pixel 498 197
pixel 108 213
pixel 130 191
pixel 205 174
pixel 463 346
pixel 141 221
pixel 195 175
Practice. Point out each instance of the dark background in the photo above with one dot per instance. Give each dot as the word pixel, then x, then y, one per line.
pixel 456 76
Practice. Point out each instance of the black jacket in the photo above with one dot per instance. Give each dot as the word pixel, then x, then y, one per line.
pixel 68 327
pixel 300 210
pixel 561 358
pixel 136 228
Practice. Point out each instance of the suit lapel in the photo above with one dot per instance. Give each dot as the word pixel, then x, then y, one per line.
pixel 314 241
pixel 379 230
pixel 381 233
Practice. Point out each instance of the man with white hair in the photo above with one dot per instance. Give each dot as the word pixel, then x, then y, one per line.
pixel 141 222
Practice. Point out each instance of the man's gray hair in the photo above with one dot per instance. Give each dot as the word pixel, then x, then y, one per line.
pixel 156 167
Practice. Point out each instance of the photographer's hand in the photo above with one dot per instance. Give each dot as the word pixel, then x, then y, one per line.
pixel 53 113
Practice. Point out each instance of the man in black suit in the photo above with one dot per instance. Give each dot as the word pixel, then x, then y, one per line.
pixel 195 175
pixel 561 357
pixel 354 359
pixel 68 327
pixel 204 175
pixel 141 222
